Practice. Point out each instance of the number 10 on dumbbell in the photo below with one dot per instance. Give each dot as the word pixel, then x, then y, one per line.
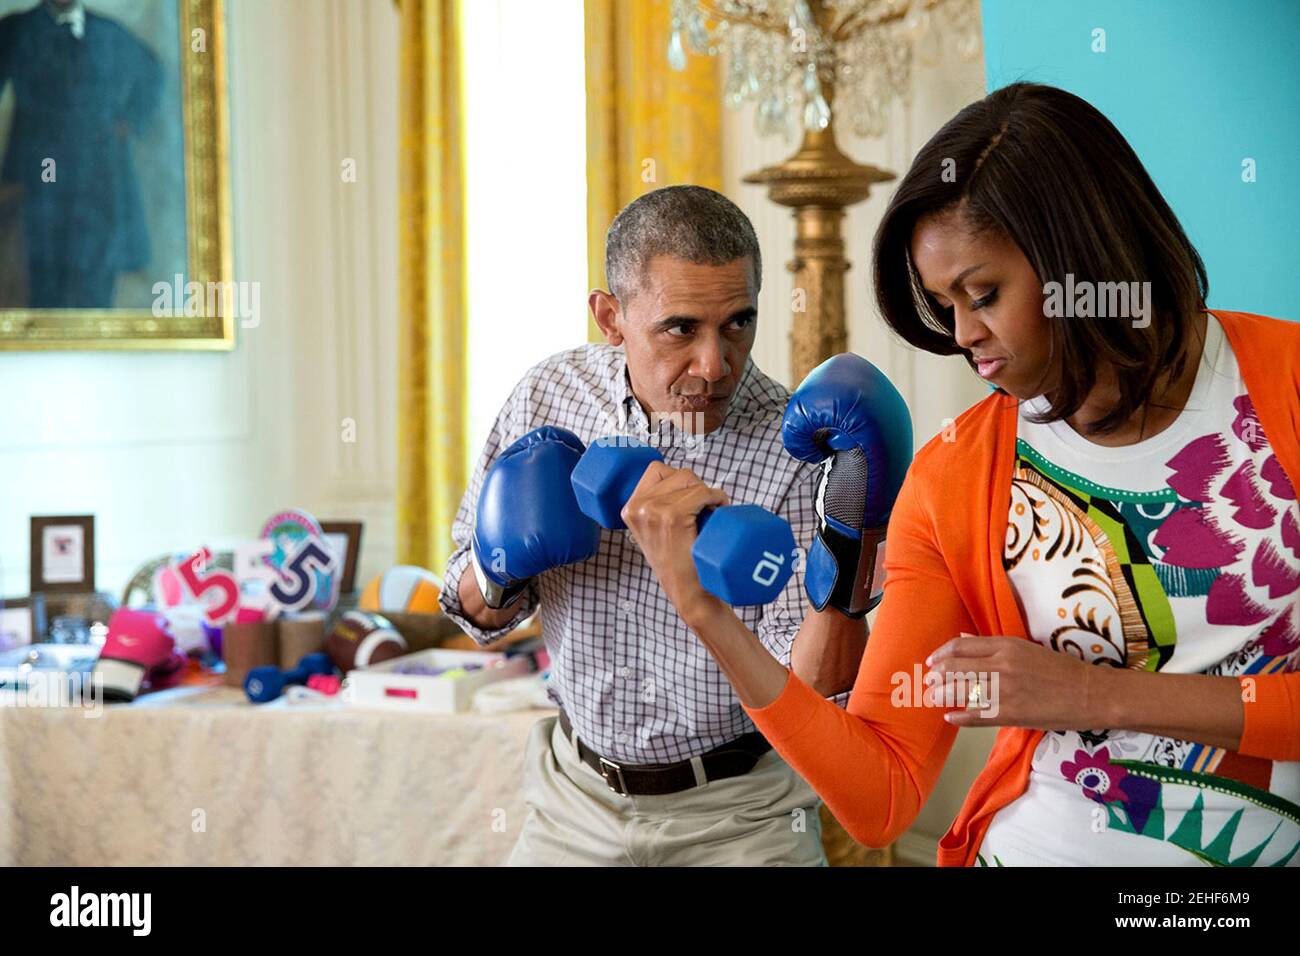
pixel 744 553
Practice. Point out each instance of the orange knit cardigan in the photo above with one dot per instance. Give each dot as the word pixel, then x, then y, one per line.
pixel 875 764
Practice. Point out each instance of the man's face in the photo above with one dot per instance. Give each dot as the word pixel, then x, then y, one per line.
pixel 687 330
pixel 995 300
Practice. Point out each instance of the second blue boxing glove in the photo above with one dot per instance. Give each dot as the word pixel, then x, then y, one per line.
pixel 849 417
pixel 528 520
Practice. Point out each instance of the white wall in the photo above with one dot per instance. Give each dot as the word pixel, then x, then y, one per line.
pixel 173 450
pixel 525 195
pixel 935 388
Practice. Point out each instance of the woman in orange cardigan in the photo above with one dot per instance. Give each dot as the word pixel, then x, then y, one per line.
pixel 1109 543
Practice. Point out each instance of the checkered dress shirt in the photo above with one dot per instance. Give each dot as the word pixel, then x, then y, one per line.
pixel 637 685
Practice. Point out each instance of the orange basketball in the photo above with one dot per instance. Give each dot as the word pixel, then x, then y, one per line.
pixel 404 589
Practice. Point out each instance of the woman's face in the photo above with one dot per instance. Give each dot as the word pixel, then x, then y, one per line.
pixel 994 300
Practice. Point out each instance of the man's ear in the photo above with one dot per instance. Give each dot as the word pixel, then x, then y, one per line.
pixel 607 311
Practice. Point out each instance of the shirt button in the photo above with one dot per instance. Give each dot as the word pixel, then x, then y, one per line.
pixel 623 738
pixel 625 672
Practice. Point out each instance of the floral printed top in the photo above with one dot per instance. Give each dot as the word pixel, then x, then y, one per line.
pixel 1179 554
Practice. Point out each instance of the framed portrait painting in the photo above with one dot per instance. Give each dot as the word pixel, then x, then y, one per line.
pixel 114 202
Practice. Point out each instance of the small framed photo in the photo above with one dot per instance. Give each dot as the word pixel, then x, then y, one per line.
pixel 345 538
pixel 63 553
pixel 22 621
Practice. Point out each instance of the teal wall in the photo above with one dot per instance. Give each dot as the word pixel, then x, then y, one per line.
pixel 1196 86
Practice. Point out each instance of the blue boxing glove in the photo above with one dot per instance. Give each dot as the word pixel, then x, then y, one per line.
pixel 528 519
pixel 848 417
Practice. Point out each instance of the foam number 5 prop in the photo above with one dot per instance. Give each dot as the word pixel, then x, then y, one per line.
pixel 288 529
pixel 192 572
pixel 256 576
pixel 297 584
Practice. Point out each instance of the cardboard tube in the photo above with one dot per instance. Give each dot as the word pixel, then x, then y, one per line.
pixel 245 646
pixel 300 635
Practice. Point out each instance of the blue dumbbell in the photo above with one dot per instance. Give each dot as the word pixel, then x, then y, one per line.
pixel 744 554
pixel 267 683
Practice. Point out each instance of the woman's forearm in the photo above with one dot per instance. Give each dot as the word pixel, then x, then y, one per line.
pixel 827 651
pixel 756 676
pixel 1202 708
pixel 874 783
pixel 825 654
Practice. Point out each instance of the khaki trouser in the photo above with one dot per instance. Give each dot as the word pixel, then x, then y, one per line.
pixel 766 817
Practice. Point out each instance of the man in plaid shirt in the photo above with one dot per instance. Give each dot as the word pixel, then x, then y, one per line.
pixel 652 760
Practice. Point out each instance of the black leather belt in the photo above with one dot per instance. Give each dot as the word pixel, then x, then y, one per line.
pixel 729 760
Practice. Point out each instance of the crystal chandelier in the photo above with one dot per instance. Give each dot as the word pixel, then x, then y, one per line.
pixel 806 63
pixel 797 58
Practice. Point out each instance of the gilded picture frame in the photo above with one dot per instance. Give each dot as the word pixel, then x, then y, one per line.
pixel 204 119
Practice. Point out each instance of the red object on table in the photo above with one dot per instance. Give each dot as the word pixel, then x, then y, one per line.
pixel 325 683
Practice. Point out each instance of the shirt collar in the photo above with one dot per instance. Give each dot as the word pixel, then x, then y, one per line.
pixel 74 18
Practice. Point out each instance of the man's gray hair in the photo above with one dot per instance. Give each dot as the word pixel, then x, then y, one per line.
pixel 691 223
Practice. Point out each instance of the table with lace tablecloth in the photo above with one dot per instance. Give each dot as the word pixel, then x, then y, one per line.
pixel 198 776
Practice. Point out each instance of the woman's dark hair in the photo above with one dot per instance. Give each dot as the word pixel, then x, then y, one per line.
pixel 1048 170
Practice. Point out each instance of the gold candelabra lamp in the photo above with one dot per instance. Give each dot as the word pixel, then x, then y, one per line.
pixel 806 63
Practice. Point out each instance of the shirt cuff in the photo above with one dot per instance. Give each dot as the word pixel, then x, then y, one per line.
pixel 1271 709
pixel 449 600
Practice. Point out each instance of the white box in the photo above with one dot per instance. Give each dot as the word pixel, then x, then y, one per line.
pixel 381 686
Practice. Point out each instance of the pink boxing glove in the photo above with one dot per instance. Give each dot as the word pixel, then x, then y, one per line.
pixel 137 642
pixel 327 684
pixel 170 672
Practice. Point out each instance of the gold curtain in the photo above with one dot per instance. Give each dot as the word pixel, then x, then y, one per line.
pixel 432 335
pixel 647 125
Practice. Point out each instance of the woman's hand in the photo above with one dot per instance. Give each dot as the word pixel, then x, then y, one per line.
pixel 1022 684
pixel 662 514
